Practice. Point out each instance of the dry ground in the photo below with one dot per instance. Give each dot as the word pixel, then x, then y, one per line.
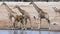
pixel 45 6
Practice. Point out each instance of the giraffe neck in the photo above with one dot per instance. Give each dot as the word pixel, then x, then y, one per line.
pixel 20 10
pixel 10 12
pixel 9 9
pixel 39 10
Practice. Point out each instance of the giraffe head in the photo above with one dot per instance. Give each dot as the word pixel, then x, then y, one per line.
pixel 3 3
pixel 54 8
pixel 31 2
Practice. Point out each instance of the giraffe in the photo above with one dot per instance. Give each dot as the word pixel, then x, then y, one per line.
pixel 24 14
pixel 56 10
pixel 18 19
pixel 11 14
pixel 42 14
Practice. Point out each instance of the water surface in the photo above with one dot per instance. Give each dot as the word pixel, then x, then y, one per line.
pixel 27 32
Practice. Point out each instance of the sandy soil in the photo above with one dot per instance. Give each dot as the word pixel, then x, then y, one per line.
pixel 45 6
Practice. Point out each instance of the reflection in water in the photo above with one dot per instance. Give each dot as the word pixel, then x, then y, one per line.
pixel 15 32
pixel 26 32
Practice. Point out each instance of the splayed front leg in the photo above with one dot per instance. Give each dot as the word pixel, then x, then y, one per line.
pixel 15 24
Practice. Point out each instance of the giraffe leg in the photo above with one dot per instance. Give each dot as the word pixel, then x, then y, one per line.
pixel 10 22
pixel 40 26
pixel 10 17
pixel 40 22
pixel 47 20
pixel 14 24
pixel 25 22
pixel 30 23
pixel 21 21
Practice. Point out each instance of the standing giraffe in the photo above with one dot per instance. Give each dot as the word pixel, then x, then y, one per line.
pixel 56 10
pixel 41 13
pixel 24 14
pixel 11 14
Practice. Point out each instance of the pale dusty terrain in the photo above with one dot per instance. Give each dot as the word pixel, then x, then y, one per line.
pixel 46 6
